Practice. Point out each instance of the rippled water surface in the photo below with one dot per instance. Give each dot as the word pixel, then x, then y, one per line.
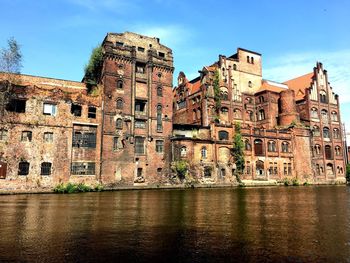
pixel 295 224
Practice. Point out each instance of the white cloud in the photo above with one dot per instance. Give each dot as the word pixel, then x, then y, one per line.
pixel 337 63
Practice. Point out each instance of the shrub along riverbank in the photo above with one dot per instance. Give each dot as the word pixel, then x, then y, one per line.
pixel 70 188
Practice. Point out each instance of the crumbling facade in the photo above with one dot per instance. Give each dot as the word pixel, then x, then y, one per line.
pixel 291 130
pixel 132 127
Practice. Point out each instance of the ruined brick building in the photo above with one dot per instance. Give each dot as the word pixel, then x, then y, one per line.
pixel 133 125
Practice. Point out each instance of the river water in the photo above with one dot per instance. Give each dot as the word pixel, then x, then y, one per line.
pixel 276 224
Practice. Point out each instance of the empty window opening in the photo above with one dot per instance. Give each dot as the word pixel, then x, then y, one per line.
pixel 3 135
pixel 16 105
pixel 161 54
pixel 92 112
pixel 119 123
pixel 140 106
pixel 76 110
pixel 26 136
pixel 23 168
pixel 141 49
pixel 46 168
pixel 120 84
pixel 140 67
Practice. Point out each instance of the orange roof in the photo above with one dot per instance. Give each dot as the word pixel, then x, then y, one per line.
pixel 194 87
pixel 272 86
pixel 299 85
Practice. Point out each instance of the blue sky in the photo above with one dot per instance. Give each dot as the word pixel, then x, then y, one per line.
pixel 57 36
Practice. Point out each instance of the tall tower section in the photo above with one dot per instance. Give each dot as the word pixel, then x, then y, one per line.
pixel 137 79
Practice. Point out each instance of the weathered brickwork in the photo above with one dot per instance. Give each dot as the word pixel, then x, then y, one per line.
pixel 132 128
pixel 282 138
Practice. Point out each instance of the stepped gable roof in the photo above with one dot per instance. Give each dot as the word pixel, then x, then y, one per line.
pixel 300 84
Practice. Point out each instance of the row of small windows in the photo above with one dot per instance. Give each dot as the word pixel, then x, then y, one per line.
pixel 324 114
pixel 327 151
pixel 272 168
pixel 204 152
pixel 326 132
pixel 26 136
pixel 250 60
pixel 120 86
pixel 19 106
pixel 271 146
pixel 45 169
pixel 119 143
pixel 329 169
pixel 237 114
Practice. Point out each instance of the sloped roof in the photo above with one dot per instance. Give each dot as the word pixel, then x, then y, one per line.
pixel 195 86
pixel 272 86
pixel 299 85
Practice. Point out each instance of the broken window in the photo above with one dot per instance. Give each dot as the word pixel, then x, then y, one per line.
pixel 23 168
pixel 119 124
pixel 207 171
pixel 159 171
pixel 139 172
pixel 117 144
pixel 81 168
pixel 16 105
pixel 92 112
pixel 26 136
pixel 159 146
pixel 139 145
pixel 141 124
pixel 120 104
pixel 159 118
pixel 76 110
pixel 141 49
pixel 120 84
pixel 46 168
pixel 3 135
pixel 50 109
pixel 48 136
pixel 161 54
pixel 140 67
pixel 87 139
pixel 140 106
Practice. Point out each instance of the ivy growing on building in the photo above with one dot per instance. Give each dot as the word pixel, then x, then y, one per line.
pixel 217 95
pixel 94 67
pixel 238 150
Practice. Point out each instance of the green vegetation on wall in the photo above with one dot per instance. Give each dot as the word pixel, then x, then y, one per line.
pixel 238 150
pixel 348 173
pixel 94 67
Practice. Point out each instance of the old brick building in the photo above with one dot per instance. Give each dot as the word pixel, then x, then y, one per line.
pixel 123 131
pixel 290 130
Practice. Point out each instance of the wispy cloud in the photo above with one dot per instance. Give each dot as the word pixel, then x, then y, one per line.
pixel 337 63
pixel 170 35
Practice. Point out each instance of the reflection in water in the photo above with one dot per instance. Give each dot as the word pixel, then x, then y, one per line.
pixel 295 224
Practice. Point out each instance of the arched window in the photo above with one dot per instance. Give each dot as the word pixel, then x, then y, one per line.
pixel 336 133
pixel 330 170
pixel 250 84
pixel 323 96
pixel 234 67
pixel 224 93
pixel 223 135
pixel 285 147
pixel 250 115
pixel 194 114
pixel 338 151
pixel 119 123
pixel 222 172
pixel 247 145
pixel 159 118
pixel 259 168
pixel 120 104
pixel 258 147
pixel 316 131
pixel 159 91
pixel 261 99
pixel 261 115
pixel 237 114
pixel 248 100
pixel 204 152
pixel 271 146
pixel 120 84
pixel 324 115
pixel 198 113
pixel 314 113
pixel 317 148
pixel 183 151
pixel 248 59
pixel 334 116
pixel 328 152
pixel 326 133
pixel 224 110
pixel 252 60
